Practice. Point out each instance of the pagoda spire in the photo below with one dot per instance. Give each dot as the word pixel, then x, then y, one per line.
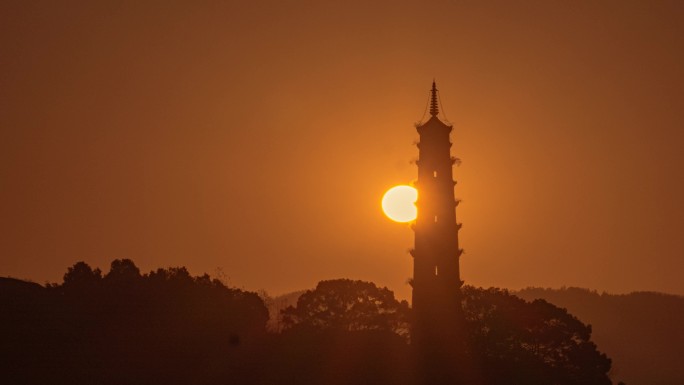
pixel 434 109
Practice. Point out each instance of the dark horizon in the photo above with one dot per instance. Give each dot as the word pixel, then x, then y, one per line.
pixel 170 327
pixel 164 310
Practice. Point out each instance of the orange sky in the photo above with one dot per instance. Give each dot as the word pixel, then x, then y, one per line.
pixel 259 137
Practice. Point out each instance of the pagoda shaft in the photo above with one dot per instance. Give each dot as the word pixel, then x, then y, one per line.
pixel 438 316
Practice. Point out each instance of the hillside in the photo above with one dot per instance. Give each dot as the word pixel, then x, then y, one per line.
pixel 642 332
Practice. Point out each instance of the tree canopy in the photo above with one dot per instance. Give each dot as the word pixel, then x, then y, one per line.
pixel 530 342
pixel 344 304
pixel 168 326
pixel 511 340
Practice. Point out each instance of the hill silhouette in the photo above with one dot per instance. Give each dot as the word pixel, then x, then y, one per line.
pixel 642 331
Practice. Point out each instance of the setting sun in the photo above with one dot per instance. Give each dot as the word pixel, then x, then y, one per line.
pixel 398 203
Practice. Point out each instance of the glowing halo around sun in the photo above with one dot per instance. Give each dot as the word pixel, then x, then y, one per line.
pixel 399 203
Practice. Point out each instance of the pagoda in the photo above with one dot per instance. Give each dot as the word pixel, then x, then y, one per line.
pixel 437 325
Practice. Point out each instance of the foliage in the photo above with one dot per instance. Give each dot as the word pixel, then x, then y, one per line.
pixel 128 327
pixel 170 327
pixel 81 276
pixel 123 271
pixel 512 341
pixel 531 342
pixel 349 305
pixel 640 331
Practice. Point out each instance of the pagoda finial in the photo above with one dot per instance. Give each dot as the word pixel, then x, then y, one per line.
pixel 434 110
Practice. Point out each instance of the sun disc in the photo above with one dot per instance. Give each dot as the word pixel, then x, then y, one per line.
pixel 399 203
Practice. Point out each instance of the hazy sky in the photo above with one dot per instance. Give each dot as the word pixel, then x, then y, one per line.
pixel 259 136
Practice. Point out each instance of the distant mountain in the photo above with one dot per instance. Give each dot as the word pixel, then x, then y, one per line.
pixel 643 332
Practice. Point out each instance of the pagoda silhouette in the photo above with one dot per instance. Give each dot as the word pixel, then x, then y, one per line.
pixel 437 332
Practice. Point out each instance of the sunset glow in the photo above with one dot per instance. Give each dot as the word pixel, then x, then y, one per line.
pixel 399 203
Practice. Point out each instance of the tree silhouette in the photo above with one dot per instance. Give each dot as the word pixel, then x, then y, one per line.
pixel 169 327
pixel 530 342
pixel 81 276
pixel 126 327
pixel 344 304
pixel 344 332
pixel 123 270
pixel 640 331
pixel 510 341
